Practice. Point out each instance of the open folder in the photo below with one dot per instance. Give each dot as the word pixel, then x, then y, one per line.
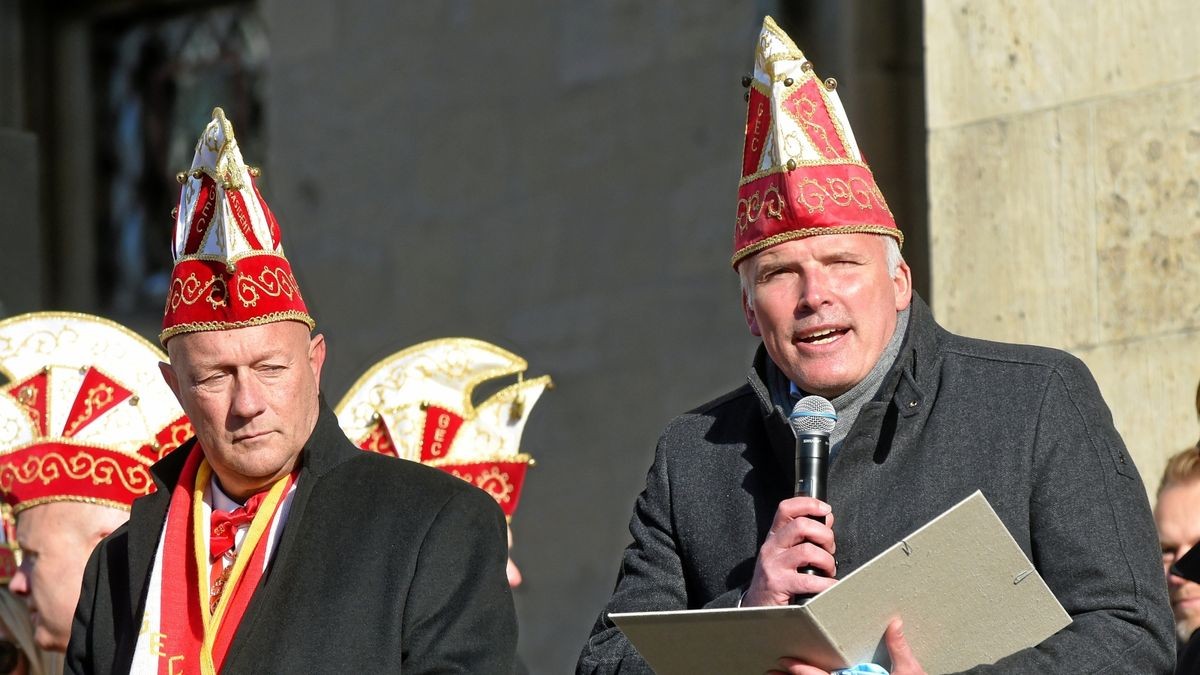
pixel 962 585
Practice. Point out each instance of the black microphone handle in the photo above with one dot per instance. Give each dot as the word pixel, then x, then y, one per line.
pixel 812 471
pixel 812 459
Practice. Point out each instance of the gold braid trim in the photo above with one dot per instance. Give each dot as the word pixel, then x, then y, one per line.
pixel 813 232
pixel 9 453
pixel 29 504
pixel 488 459
pixel 54 466
pixel 223 259
pixel 800 163
pixel 198 326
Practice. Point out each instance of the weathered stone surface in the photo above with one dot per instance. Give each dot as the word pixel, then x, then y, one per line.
pixel 1147 167
pixel 1011 228
pixel 1064 198
pixel 1145 43
pixel 986 58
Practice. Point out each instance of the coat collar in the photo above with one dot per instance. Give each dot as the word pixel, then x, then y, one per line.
pixel 326 448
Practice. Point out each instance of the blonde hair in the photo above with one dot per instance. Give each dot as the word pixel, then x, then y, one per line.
pixel 15 617
pixel 1182 467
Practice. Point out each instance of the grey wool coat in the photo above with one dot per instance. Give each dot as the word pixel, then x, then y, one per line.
pixel 1026 425
pixel 384 565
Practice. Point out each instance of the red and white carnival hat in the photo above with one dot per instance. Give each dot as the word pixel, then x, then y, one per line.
pixel 230 271
pixel 416 405
pixel 802 171
pixel 84 411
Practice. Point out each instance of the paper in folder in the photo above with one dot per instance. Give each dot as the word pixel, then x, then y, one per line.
pixel 962 585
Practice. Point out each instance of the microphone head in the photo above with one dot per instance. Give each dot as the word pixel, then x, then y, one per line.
pixel 812 415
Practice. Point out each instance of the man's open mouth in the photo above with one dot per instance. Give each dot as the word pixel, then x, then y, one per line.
pixel 823 336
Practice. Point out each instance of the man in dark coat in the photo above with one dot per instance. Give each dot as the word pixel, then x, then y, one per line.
pixel 925 418
pixel 272 544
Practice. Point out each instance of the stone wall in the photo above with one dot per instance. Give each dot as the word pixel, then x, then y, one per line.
pixel 1064 187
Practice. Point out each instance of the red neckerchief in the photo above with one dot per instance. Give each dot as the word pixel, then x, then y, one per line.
pixel 184 608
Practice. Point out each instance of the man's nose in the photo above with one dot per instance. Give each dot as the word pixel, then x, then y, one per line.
pixel 19 584
pixel 815 291
pixel 248 396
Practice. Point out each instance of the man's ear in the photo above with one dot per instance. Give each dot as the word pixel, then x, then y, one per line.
pixel 751 320
pixel 170 378
pixel 316 356
pixel 902 285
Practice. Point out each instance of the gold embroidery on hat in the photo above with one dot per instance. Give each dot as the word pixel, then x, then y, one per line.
pixel 493 481
pixel 800 163
pixel 83 465
pixel 97 397
pixel 751 208
pixel 272 282
pixel 191 290
pixel 840 191
pixel 176 436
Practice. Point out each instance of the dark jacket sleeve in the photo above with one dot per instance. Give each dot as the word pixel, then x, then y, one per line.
pixel 1093 541
pixel 651 577
pixel 459 615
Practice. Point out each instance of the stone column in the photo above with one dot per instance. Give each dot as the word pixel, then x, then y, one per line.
pixel 1064 180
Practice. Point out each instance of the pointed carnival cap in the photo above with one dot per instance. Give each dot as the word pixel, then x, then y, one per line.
pixel 84 411
pixel 230 271
pixel 802 171
pixel 416 405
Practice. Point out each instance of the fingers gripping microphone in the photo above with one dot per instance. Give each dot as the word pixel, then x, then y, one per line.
pixel 812 421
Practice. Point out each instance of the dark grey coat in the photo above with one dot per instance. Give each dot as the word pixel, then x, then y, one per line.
pixel 1026 425
pixel 384 566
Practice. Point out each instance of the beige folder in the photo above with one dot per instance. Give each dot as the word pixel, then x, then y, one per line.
pixel 962 585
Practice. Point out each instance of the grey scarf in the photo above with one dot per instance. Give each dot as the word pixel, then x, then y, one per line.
pixel 849 403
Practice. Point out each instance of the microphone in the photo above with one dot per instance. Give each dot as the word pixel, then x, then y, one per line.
pixel 812 421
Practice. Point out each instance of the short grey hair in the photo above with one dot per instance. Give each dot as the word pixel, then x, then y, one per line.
pixel 891 246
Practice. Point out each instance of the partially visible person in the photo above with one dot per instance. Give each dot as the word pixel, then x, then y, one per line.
pixel 417 404
pixel 511 570
pixel 85 414
pixel 924 419
pixel 1177 516
pixel 273 544
pixel 18 652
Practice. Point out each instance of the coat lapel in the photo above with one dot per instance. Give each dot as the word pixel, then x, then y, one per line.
pixel 326 448
pixel 146 523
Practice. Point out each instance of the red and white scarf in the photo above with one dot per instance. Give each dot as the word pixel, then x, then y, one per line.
pixel 179 633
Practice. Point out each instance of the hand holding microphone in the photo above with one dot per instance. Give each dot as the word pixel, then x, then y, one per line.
pixel 796 558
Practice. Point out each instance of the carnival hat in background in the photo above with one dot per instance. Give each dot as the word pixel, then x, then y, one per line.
pixel 417 404
pixel 802 171
pixel 84 411
pixel 230 271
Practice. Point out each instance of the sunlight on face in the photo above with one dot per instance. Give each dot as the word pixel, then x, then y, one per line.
pixel 251 393
pixel 825 307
